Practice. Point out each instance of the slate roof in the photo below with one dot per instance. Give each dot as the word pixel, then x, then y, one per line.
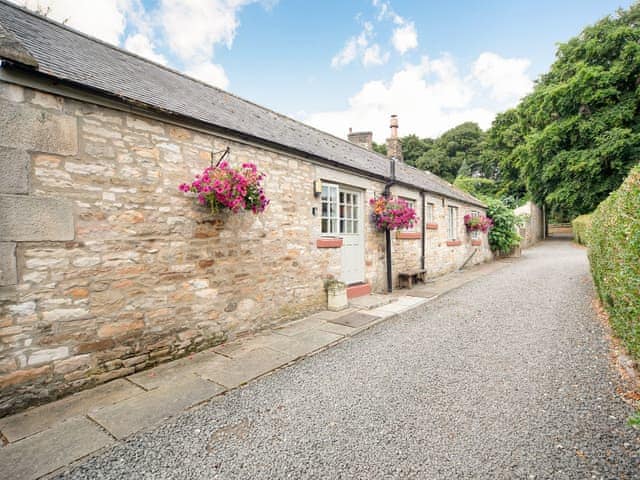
pixel 61 52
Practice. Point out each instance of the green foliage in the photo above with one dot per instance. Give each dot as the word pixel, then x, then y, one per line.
pixel 614 250
pixel 580 227
pixel 444 156
pixel 413 148
pixel 381 148
pixel 479 187
pixel 503 236
pixel 576 136
pixel 634 420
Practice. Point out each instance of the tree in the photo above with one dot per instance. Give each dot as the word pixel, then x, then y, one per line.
pixel 381 148
pixel 577 135
pixel 414 147
pixel 461 144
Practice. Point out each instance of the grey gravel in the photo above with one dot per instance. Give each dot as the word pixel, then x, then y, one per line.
pixel 505 377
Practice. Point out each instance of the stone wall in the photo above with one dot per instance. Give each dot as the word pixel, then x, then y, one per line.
pixel 443 256
pixel 532 231
pixel 106 268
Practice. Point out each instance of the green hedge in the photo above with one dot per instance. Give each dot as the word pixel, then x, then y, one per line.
pixel 614 253
pixel 580 226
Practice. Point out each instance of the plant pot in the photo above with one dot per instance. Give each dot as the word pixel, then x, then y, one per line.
pixel 336 296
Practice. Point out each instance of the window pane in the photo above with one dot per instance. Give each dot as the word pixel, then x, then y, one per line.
pixel 324 225
pixel 355 226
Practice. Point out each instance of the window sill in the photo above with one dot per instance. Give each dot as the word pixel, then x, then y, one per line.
pixel 476 243
pixel 329 242
pixel 431 226
pixel 408 235
pixel 454 243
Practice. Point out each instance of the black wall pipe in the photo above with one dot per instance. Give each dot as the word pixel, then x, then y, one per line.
pixel 387 232
pixel 423 235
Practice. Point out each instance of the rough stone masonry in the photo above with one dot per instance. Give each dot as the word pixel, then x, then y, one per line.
pixel 106 268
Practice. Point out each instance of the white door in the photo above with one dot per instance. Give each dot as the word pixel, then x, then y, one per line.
pixel 350 216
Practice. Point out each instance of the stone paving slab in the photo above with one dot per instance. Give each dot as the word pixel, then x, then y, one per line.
pixel 367 302
pixel 37 419
pixel 149 408
pixel 301 344
pixel 167 373
pixel 51 449
pixel 309 323
pixel 233 372
pixel 355 320
pixel 337 329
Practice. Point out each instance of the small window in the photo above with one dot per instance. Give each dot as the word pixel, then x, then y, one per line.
pixel 452 229
pixel 475 235
pixel 412 204
pixel 329 212
pixel 429 218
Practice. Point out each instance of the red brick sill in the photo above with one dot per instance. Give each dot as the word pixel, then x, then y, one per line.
pixel 359 290
pixel 408 235
pixel 329 242
pixel 476 243
pixel 431 226
pixel 454 243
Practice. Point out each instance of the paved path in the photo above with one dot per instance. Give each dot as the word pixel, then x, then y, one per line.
pixel 504 377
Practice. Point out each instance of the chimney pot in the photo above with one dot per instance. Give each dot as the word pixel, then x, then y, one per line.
pixel 394 147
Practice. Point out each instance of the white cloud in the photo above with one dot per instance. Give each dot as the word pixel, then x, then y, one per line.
pixel 141 45
pixel 405 37
pixel 193 28
pixel 347 55
pixel 429 97
pixel 373 56
pixel 361 46
pixel 209 73
pixel 506 78
pixel 104 19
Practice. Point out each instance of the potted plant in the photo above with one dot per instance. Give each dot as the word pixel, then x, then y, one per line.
pixel 478 223
pixel 336 295
pixel 224 187
pixel 391 213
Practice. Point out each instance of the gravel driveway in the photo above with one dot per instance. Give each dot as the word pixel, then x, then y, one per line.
pixel 505 377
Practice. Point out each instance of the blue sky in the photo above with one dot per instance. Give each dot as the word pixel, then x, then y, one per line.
pixel 351 63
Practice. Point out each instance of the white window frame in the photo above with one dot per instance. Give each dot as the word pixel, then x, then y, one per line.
pixel 329 216
pixel 430 212
pixel 475 234
pixel 412 203
pixel 345 216
pixel 452 222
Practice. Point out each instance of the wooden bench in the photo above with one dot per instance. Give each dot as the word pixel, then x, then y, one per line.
pixel 408 278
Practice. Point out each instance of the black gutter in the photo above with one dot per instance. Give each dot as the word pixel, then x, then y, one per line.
pixel 387 232
pixel 423 231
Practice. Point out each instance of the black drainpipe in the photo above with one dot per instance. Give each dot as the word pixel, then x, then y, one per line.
pixel 423 234
pixel 387 232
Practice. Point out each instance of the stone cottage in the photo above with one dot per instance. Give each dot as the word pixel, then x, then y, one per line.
pixel 107 268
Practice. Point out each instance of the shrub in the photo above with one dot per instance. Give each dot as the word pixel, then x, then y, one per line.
pixel 580 227
pixel 614 253
pixel 503 236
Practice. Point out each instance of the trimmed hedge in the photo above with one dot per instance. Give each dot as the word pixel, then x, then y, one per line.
pixel 614 253
pixel 580 226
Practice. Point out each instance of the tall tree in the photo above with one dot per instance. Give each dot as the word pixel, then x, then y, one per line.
pixel 577 135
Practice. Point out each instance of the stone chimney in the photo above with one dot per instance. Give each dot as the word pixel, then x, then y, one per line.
pixel 362 139
pixel 394 147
